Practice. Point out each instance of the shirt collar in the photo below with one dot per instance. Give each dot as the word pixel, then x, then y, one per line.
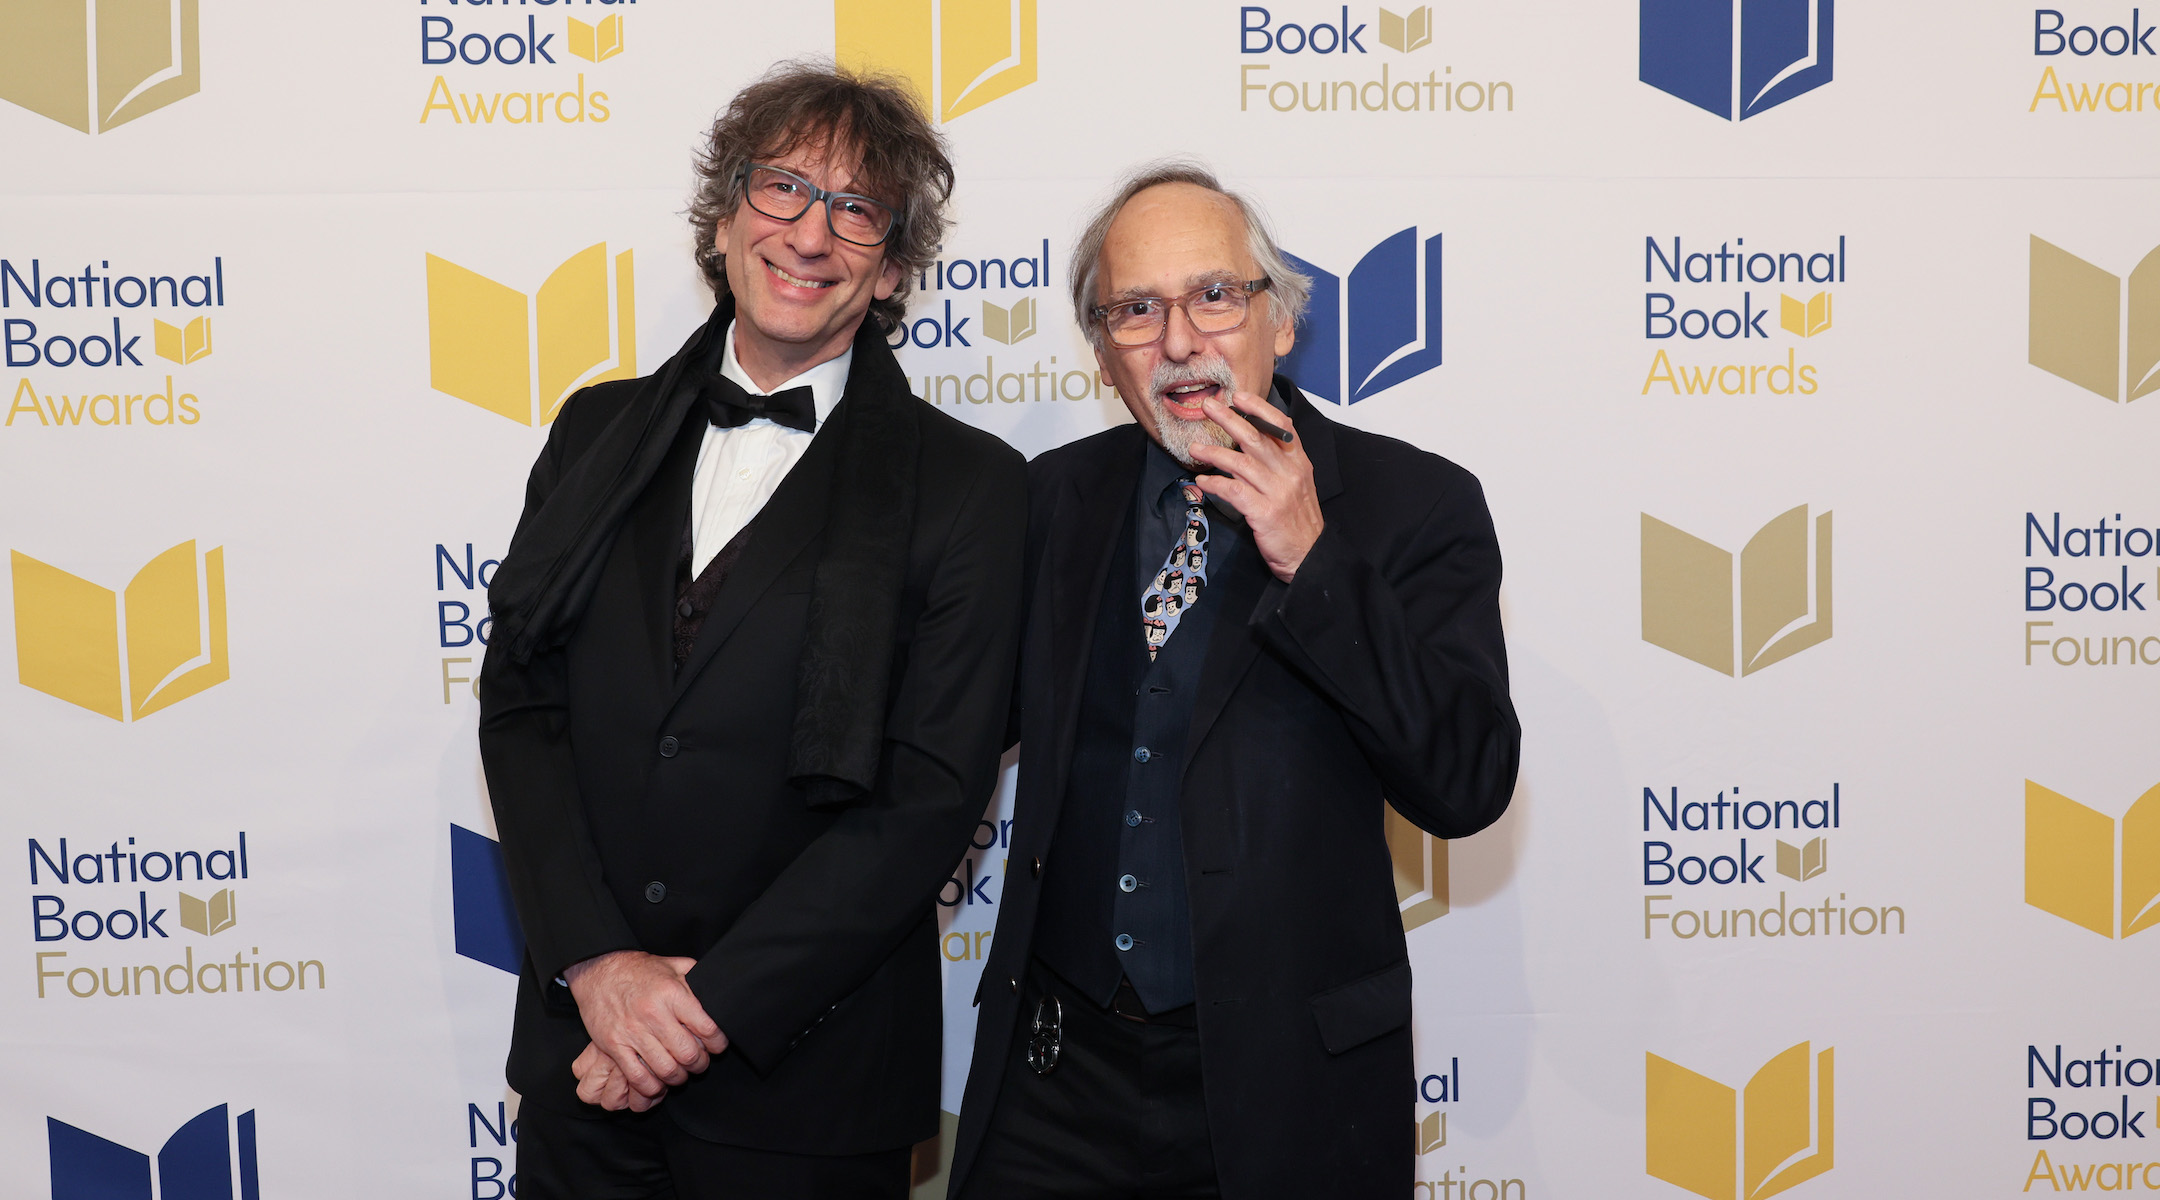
pixel 1159 472
pixel 827 381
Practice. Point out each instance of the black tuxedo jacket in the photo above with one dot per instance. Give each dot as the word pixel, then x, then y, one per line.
pixel 649 808
pixel 1377 676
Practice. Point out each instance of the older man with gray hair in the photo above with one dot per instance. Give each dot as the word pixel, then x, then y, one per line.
pixel 1249 631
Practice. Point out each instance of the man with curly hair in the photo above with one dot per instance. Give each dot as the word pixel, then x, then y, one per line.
pixel 746 689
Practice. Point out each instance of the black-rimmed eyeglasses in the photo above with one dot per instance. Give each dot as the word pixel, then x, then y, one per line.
pixel 1142 320
pixel 785 196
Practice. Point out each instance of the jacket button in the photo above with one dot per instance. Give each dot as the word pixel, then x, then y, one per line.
pixel 1141 754
pixel 1124 941
pixel 1014 984
pixel 668 746
pixel 1035 868
pixel 1132 818
pixel 655 892
pixel 1127 883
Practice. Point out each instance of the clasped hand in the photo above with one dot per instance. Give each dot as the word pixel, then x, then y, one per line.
pixel 649 1033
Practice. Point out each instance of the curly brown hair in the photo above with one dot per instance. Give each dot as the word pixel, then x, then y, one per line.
pixel 874 117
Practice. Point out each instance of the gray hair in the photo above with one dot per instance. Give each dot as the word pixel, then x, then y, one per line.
pixel 1288 288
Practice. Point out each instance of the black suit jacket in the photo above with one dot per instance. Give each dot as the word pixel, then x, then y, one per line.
pixel 612 772
pixel 1377 676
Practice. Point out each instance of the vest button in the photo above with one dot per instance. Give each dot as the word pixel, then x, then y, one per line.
pixel 1133 818
pixel 1126 883
pixel 1035 868
pixel 1124 941
pixel 655 892
pixel 686 610
pixel 1141 754
pixel 668 746
pixel 1014 984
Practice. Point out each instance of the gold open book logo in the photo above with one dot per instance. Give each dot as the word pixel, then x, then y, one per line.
pixel 207 917
pixel 1421 871
pixel 2092 327
pixel 521 356
pixel 96 64
pixel 1720 1144
pixel 1432 1132
pixel 1009 325
pixel 182 343
pixel 123 655
pixel 1780 590
pixel 1406 32
pixel 1802 862
pixel 1804 318
pixel 2075 858
pixel 596 41
pixel 958 54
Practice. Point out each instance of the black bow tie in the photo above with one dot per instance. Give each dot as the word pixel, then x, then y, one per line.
pixel 727 405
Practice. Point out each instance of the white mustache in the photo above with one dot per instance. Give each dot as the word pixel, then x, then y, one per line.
pixel 1213 369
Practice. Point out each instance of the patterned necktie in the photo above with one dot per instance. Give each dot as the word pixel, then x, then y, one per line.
pixel 1177 585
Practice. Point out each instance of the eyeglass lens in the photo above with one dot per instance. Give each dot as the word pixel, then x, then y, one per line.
pixel 1217 309
pixel 783 196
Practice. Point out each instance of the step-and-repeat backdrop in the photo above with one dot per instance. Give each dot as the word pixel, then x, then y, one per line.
pixel 1806 351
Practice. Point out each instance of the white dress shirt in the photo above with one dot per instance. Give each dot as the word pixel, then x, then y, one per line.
pixel 739 469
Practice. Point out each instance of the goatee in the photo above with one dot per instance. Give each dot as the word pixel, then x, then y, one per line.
pixel 1178 437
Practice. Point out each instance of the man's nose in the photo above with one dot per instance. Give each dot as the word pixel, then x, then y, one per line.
pixel 811 235
pixel 1181 340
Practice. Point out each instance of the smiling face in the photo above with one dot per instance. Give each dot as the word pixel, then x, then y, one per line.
pixel 1167 241
pixel 800 293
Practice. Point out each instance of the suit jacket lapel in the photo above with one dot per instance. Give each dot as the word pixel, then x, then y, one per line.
pixel 1234 646
pixel 1083 536
pixel 656 532
pixel 795 514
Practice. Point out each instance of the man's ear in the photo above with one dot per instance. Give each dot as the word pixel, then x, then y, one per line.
pixel 888 279
pixel 1103 371
pixel 1285 334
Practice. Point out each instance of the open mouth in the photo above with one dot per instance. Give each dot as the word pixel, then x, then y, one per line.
pixel 798 281
pixel 1184 399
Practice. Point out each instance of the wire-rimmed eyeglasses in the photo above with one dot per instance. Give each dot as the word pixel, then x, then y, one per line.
pixel 785 196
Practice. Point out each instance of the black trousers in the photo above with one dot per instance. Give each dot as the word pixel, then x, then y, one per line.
pixel 647 1156
pixel 1120 1117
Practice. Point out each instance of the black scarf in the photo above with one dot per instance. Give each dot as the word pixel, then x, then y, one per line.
pixel 555 559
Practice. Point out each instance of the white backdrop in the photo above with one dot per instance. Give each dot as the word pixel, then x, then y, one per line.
pixel 293 160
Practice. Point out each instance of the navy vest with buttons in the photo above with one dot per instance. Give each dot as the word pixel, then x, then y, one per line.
pixel 1114 901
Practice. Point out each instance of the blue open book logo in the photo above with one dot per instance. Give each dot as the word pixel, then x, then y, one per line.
pixel 486 923
pixel 1688 51
pixel 197 1163
pixel 1389 321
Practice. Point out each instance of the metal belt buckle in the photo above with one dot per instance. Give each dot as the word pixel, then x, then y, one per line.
pixel 1042 1050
